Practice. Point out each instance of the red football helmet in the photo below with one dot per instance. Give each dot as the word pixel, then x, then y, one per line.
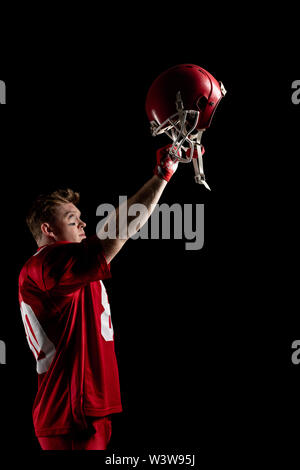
pixel 181 103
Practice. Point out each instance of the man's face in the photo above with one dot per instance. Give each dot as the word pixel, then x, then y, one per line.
pixel 67 225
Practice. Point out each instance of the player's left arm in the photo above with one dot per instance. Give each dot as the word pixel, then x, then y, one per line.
pixel 147 197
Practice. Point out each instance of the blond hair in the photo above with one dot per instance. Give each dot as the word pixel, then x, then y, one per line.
pixel 43 209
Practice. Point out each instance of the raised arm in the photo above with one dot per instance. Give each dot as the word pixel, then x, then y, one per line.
pixel 146 197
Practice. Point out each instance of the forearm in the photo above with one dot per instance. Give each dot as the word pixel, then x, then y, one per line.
pixel 123 223
pixel 150 193
pixel 148 196
pixel 142 202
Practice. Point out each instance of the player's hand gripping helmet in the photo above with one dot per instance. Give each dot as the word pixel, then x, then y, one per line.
pixel 181 103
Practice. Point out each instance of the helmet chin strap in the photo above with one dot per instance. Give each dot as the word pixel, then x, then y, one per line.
pixel 176 152
pixel 198 162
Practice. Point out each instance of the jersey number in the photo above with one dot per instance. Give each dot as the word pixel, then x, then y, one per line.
pixel 107 330
pixel 39 343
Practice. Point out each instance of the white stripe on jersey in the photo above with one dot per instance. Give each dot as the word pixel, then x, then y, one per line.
pixel 40 250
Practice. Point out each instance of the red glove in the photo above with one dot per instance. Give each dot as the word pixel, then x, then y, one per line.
pixel 166 164
pixel 195 154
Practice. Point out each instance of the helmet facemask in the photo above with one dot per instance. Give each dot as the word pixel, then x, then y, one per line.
pixel 182 129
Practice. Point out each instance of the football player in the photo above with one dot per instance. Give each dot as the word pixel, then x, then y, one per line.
pixel 67 320
pixel 64 304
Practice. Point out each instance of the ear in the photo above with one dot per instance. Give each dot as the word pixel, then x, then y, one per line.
pixel 47 230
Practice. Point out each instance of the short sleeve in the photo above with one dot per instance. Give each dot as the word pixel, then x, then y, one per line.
pixel 69 266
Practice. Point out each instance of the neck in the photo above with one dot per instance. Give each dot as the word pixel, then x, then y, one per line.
pixel 45 241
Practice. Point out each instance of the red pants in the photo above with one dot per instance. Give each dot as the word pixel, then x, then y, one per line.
pixel 96 438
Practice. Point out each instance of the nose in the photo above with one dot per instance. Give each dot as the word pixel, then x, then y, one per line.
pixel 81 223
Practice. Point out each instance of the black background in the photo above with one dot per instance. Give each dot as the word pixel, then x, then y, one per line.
pixel 203 338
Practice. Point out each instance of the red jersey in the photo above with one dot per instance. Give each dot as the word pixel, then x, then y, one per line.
pixel 66 315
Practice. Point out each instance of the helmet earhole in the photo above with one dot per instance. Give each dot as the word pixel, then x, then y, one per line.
pixel 201 103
